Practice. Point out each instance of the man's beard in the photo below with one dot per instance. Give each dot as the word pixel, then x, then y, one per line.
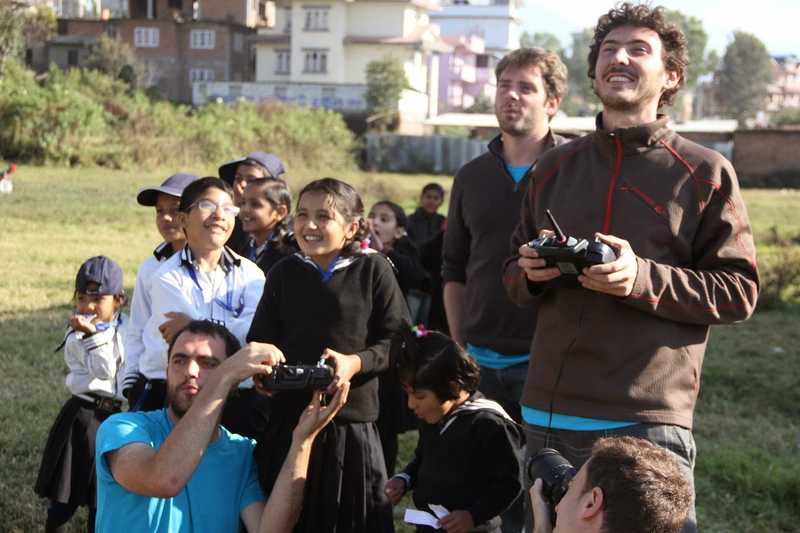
pixel 637 101
pixel 522 127
pixel 178 406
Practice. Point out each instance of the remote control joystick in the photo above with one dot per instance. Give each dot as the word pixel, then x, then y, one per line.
pixel 302 377
pixel 568 254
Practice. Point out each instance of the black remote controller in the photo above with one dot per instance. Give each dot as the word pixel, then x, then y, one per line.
pixel 569 254
pixel 300 377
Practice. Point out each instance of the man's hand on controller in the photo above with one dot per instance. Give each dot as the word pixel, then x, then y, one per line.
pixel 534 267
pixel 615 278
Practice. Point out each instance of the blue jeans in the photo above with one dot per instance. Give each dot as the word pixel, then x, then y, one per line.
pixel 504 385
pixel 576 447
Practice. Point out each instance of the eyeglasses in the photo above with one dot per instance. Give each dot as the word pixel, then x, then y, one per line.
pixel 210 207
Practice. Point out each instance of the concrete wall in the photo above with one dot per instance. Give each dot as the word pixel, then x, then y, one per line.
pixel 767 157
pixel 421 154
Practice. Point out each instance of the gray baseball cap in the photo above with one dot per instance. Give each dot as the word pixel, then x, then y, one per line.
pixel 172 186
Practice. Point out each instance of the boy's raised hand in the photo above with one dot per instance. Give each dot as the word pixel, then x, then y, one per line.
pixel 83 324
pixel 394 489
pixel 174 323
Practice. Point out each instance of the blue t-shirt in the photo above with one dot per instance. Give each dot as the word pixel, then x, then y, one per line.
pixel 517 172
pixel 224 483
pixel 491 359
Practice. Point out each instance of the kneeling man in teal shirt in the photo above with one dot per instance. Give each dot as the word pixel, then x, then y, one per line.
pixel 177 470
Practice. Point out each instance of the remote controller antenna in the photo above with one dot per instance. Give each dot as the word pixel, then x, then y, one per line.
pixel 560 234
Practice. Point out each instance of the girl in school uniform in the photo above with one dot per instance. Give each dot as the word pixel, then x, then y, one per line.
pixel 337 301
pixel 265 218
pixel 93 351
pixel 387 224
pixel 466 456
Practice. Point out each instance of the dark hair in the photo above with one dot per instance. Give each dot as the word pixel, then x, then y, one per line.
pixel 433 186
pixel 195 189
pixel 276 192
pixel 210 329
pixel 676 49
pixel 434 362
pixel 643 486
pixel 399 213
pixel 346 202
pixel 554 72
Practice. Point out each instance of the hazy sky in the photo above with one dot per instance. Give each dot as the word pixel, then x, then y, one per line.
pixel 775 22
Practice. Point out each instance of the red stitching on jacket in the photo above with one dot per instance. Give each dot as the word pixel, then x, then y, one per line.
pixel 612 185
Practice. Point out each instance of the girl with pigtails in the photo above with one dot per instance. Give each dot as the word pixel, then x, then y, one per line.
pixel 336 300
pixel 466 456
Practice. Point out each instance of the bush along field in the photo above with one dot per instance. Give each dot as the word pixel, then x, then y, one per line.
pixel 746 424
pixel 86 118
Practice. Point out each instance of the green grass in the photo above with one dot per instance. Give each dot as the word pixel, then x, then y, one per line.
pixel 746 427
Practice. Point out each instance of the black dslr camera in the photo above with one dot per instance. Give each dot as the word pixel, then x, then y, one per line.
pixel 300 377
pixel 569 254
pixel 555 473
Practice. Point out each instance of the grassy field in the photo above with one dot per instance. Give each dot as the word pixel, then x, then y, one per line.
pixel 747 427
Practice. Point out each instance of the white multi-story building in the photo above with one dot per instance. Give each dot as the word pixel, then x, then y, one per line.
pixel 316 53
pixel 497 21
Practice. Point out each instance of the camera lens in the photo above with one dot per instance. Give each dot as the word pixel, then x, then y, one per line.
pixel 555 473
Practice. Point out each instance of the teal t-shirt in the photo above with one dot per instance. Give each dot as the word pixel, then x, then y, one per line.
pixel 224 483
pixel 491 359
pixel 517 173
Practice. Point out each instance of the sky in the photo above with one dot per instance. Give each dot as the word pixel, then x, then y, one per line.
pixel 775 22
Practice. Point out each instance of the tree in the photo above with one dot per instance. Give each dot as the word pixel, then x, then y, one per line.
pixel 386 79
pixel 580 99
pixel 697 39
pixel 117 59
pixel 743 78
pixel 545 40
pixel 482 104
pixel 20 24
pixel 12 36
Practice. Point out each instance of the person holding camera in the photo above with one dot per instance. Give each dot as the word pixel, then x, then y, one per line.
pixel 628 485
pixel 178 469
pixel 619 346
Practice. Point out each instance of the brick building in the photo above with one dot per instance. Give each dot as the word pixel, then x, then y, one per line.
pixel 179 42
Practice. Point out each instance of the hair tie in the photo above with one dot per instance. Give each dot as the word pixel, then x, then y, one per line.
pixel 420 331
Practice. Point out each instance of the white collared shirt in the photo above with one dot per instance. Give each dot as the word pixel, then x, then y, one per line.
pixel 237 283
pixel 140 313
pixel 93 361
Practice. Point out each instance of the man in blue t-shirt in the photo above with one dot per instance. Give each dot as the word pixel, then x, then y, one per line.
pixel 484 210
pixel 178 470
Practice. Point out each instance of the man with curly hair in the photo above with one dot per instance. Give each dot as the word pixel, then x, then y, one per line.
pixel 619 347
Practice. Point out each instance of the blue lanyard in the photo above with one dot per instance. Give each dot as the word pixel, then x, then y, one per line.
pixel 251 248
pixel 228 304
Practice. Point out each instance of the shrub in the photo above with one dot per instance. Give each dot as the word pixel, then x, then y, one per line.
pixel 90 118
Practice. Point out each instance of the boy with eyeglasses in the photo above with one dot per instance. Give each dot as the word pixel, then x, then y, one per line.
pixel 204 281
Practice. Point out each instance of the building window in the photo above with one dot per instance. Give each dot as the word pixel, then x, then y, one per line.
pixel 202 39
pixel 315 62
pixel 145 37
pixel 288 27
pixel 72 58
pixel 316 19
pixel 201 74
pixel 283 61
pixel 482 60
pixel 238 42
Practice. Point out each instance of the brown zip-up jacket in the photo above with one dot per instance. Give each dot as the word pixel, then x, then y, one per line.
pixel 484 210
pixel 679 206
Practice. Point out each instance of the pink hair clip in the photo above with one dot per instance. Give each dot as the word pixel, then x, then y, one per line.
pixel 420 331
